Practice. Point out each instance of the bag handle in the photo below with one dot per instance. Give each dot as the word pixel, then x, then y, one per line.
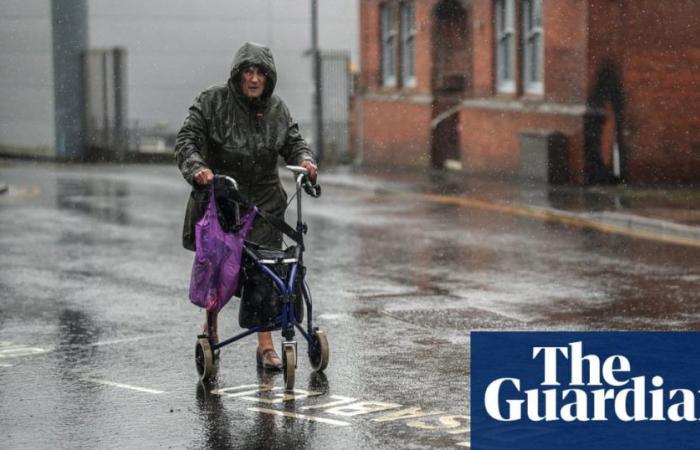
pixel 212 212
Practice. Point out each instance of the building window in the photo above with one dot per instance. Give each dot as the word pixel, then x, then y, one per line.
pixel 532 46
pixel 408 46
pixel 388 32
pixel 505 45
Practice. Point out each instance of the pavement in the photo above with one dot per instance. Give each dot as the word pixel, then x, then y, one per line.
pixel 668 213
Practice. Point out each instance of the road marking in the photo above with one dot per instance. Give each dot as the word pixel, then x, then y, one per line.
pixel 123 386
pixel 449 422
pixel 131 339
pixel 9 350
pixel 17 351
pixel 341 400
pixel 404 414
pixel 431 421
pixel 296 394
pixel 275 412
pixel 361 408
pixel 553 216
pixel 245 390
pixel 5 365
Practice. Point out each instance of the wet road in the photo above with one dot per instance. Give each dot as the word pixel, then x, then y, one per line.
pixel 97 334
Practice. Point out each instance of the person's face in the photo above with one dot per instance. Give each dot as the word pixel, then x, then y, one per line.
pixel 253 81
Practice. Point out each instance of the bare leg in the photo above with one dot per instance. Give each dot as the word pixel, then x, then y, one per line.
pixel 265 340
pixel 211 325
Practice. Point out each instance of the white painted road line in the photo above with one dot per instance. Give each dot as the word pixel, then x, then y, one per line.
pixel 123 386
pixel 131 339
pixel 15 352
pixel 5 365
pixel 10 350
pixel 275 412
pixel 340 400
pixel 453 426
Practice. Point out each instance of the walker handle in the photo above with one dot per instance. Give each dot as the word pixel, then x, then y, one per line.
pixel 228 180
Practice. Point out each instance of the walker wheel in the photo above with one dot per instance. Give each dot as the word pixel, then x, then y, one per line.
pixel 204 359
pixel 288 367
pixel 318 351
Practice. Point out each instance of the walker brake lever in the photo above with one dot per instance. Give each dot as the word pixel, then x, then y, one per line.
pixel 313 190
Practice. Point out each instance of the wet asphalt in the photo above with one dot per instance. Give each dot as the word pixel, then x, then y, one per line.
pixel 97 334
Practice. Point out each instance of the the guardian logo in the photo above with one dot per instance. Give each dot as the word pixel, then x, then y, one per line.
pixel 593 389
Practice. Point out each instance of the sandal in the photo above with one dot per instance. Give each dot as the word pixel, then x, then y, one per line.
pixel 268 359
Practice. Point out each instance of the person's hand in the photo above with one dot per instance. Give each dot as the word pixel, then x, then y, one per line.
pixel 313 170
pixel 204 177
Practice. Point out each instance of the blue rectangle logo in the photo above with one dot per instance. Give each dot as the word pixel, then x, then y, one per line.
pixel 585 390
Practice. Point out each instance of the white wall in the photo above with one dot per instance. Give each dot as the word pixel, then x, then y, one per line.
pixel 26 77
pixel 176 48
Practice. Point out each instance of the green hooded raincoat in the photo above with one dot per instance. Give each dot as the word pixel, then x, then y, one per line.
pixel 241 137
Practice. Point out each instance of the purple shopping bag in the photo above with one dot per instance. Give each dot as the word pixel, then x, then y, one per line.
pixel 217 260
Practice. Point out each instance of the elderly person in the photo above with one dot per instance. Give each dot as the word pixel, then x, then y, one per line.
pixel 239 129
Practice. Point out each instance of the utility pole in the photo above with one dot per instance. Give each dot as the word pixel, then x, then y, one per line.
pixel 318 106
pixel 69 37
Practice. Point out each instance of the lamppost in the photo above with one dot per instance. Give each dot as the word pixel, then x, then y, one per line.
pixel 318 105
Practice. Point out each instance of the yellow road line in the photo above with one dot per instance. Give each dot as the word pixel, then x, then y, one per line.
pixel 551 216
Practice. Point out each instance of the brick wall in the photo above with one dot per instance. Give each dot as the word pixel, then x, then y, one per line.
pixel 490 139
pixel 652 47
pixel 565 49
pixel 396 133
pixel 655 48
pixel 483 42
pixel 371 46
pixel 424 30
pixel 490 136
pixel 395 121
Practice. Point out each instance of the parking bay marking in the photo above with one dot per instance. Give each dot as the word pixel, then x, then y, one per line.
pixel 294 415
pixel 348 407
pixel 123 386
pixel 129 339
pixel 10 350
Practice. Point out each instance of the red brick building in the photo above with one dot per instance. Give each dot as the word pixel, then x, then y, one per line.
pixel 575 91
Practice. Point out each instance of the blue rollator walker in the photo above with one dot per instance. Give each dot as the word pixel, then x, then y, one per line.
pixel 289 286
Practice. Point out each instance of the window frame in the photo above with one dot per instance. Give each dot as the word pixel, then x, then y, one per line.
pixel 505 45
pixel 533 47
pixel 407 39
pixel 388 50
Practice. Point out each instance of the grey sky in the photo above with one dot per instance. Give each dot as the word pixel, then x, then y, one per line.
pixel 178 47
